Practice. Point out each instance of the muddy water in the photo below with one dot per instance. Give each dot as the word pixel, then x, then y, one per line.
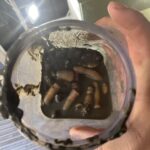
pixel 66 59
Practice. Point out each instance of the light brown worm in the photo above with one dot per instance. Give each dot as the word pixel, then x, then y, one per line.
pixel 105 88
pixel 65 75
pixel 89 96
pixel 70 99
pixel 92 74
pixel 53 90
pixel 97 96
pixel 91 65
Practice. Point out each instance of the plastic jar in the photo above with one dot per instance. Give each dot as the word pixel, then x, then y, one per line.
pixel 54 133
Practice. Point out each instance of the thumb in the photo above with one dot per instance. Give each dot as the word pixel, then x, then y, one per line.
pixel 132 24
pixel 128 19
pixel 128 141
pixel 137 32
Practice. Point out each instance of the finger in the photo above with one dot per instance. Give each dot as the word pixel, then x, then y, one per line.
pixel 137 30
pixel 110 25
pixel 108 22
pixel 84 132
pixel 105 21
pixel 128 141
pixel 132 24
pixel 127 18
pixel 122 143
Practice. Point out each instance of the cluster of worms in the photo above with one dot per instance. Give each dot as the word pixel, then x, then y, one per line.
pixel 92 95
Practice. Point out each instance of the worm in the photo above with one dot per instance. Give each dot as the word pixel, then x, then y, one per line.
pixel 65 75
pixel 70 99
pixel 97 96
pixel 88 72
pixel 89 96
pixel 104 88
pixel 53 90
pixel 90 65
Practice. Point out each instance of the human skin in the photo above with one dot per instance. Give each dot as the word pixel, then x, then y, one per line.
pixel 136 30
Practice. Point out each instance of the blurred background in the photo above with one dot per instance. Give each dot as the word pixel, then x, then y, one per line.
pixel 17 16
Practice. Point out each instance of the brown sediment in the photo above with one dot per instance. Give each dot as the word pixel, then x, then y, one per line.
pixel 75 86
pixel 78 107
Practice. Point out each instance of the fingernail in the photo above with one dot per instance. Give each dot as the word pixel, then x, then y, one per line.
pixel 117 5
pixel 84 132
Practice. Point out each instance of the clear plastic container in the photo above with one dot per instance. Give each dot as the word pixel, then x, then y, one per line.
pixel 54 133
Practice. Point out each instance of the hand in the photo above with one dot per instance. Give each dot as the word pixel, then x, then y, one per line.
pixel 136 30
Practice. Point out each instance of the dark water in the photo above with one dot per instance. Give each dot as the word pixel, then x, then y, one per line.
pixel 66 59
